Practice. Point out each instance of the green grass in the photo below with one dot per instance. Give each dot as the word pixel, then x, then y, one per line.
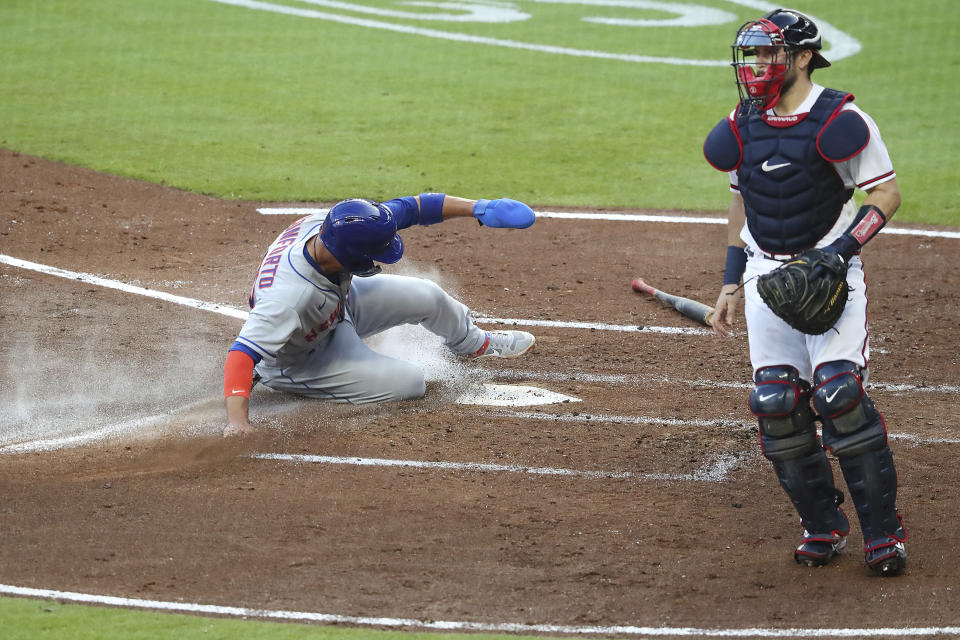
pixel 254 105
pixel 26 619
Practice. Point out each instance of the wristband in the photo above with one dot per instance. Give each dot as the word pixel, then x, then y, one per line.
pixel 736 265
pixel 869 221
pixel 431 208
pixel 867 224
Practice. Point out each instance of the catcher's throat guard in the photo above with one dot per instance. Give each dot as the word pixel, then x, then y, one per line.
pixel 809 292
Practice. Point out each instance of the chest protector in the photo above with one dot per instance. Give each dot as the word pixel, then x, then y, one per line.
pixel 791 192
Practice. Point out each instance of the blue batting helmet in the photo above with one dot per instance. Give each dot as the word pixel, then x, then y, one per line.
pixel 358 232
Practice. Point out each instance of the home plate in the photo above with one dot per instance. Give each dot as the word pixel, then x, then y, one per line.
pixel 512 395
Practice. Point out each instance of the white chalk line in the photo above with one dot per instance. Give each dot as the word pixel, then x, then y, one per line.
pixel 632 379
pixel 615 419
pixel 713 471
pixel 842 44
pixel 125 427
pixel 488 627
pixel 623 217
pixel 741 425
pixel 849 45
pixel 89 278
pixel 97 434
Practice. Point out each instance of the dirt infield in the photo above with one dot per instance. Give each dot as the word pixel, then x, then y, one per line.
pixel 699 534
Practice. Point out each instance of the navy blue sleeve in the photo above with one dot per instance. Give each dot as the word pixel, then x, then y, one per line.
pixel 239 346
pixel 406 211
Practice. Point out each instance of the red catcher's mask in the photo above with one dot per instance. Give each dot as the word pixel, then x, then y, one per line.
pixel 761 60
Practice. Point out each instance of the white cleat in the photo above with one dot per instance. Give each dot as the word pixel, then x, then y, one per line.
pixel 505 344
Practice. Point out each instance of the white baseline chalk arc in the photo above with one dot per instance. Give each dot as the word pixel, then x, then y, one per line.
pixel 488 627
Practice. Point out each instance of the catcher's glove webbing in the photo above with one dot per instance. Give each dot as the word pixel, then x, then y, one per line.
pixel 808 292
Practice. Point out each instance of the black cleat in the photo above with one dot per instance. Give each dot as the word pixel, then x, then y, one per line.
pixel 887 559
pixel 816 550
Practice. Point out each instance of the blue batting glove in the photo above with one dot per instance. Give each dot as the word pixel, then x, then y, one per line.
pixel 503 213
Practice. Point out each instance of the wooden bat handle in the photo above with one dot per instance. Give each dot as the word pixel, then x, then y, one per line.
pixel 639 285
pixel 692 309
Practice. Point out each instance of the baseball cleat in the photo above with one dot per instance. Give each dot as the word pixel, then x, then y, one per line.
pixel 505 344
pixel 816 550
pixel 887 560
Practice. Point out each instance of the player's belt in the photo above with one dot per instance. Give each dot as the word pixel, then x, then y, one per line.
pixel 780 257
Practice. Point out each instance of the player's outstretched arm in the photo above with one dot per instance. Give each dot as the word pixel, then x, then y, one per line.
pixel 499 213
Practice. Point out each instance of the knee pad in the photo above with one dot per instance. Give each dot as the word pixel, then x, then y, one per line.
pixel 851 423
pixel 781 402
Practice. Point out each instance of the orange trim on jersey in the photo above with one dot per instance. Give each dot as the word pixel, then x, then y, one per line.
pixel 237 375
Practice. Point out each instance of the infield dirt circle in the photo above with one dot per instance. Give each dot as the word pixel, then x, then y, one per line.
pixel 688 527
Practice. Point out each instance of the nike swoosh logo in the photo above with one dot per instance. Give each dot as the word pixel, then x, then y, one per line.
pixel 765 398
pixel 831 396
pixel 237 391
pixel 767 167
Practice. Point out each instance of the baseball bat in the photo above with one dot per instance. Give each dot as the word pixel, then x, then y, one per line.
pixel 692 309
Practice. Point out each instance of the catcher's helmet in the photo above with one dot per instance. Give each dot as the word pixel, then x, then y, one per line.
pixel 800 32
pixel 782 30
pixel 357 232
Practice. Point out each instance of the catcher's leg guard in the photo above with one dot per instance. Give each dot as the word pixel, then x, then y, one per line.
pixel 854 430
pixel 788 435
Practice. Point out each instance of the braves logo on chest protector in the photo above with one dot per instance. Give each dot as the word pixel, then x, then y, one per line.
pixel 791 193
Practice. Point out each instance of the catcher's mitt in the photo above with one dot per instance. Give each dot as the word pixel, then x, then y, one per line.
pixel 808 292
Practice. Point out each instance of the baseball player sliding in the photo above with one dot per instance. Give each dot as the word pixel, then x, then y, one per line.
pixel 795 152
pixel 309 315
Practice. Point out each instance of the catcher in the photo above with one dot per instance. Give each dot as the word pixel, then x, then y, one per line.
pixel 795 152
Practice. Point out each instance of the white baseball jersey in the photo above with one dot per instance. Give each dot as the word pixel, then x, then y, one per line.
pixel 772 341
pixel 865 170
